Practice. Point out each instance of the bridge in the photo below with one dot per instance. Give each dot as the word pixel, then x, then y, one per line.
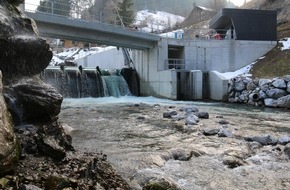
pixel 57 26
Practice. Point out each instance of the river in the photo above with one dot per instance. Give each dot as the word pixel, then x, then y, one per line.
pixel 144 146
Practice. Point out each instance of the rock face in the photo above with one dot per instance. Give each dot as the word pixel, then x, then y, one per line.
pixel 36 102
pixel 22 52
pixel 34 106
pixel 9 150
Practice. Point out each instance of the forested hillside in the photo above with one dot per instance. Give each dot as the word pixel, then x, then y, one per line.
pixel 179 7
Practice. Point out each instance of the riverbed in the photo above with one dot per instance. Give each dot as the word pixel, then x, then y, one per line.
pixel 143 146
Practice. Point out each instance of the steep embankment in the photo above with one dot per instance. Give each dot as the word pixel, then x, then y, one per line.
pixel 276 62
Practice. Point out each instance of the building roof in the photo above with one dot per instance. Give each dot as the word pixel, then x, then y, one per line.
pixel 260 25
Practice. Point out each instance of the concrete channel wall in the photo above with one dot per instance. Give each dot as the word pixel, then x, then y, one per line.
pixel 206 56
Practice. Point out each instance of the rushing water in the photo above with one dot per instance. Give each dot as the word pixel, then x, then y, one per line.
pixel 142 145
pixel 73 82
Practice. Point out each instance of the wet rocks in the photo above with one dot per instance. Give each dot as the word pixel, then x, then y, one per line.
pixel 9 151
pixel 22 52
pixel 271 93
pixel 36 101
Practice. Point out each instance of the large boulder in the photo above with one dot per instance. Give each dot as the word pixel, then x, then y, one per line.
pixel 22 51
pixel 9 151
pixel 34 101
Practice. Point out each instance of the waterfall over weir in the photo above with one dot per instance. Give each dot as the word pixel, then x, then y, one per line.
pixel 73 82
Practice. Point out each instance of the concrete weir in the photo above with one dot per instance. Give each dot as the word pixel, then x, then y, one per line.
pixel 188 69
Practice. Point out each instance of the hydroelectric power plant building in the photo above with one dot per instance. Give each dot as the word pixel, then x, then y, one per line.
pixel 186 69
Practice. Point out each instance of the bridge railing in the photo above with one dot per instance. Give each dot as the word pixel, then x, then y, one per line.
pixel 164 29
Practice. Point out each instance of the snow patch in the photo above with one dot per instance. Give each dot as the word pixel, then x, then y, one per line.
pixel 153 21
pixel 285 43
pixel 241 72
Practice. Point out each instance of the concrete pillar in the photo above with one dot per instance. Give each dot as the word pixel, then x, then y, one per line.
pixel 218 86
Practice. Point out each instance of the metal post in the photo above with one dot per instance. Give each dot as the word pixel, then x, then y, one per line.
pixel 51 6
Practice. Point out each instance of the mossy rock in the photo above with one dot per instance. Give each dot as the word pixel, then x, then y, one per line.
pixel 160 184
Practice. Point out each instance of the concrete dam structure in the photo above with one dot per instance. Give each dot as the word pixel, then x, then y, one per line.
pixel 187 69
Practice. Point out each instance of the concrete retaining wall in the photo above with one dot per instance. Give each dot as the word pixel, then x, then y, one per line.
pixel 205 55
pixel 108 59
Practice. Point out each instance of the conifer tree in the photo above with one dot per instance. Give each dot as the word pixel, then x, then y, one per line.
pixel 125 12
pixel 59 7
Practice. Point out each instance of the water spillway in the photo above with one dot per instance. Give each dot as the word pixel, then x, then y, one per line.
pixel 73 82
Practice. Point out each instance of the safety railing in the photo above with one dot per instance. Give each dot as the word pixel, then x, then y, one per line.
pixel 89 13
pixel 178 64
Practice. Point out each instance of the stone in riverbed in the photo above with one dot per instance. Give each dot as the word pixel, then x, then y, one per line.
pixel 202 115
pixel 191 120
pixel 225 133
pixel 189 109
pixel 169 114
pixel 211 132
pixel 284 140
pixel 263 140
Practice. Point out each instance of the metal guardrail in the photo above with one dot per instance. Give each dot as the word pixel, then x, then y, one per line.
pixel 75 12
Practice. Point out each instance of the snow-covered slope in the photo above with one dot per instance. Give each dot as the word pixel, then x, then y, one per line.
pixel 149 21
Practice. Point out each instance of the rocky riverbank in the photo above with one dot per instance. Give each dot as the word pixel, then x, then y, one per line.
pixel 260 92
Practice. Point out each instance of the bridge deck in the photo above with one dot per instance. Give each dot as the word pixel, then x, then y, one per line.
pixel 94 32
